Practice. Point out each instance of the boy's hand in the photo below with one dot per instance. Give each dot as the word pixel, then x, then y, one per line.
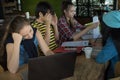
pixel 48 18
pixel 54 20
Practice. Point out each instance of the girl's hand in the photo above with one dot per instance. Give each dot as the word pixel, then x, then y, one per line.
pixel 17 38
pixel 73 21
pixel 94 25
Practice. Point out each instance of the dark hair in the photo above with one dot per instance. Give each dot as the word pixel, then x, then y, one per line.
pixel 17 24
pixel 43 7
pixel 66 5
pixel 3 34
pixel 107 32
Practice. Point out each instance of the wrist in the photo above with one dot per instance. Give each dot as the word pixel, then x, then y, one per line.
pixel 49 52
pixel 17 43
pixel 89 27
pixel 47 23
pixel 55 26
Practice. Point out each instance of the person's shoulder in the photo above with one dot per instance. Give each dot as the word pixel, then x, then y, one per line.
pixel 61 17
pixel 9 39
pixel 34 23
pixel 62 20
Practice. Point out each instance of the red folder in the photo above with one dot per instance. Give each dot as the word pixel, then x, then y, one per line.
pixel 64 49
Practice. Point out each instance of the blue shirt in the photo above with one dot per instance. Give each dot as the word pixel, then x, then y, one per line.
pixel 26 47
pixel 23 54
pixel 108 53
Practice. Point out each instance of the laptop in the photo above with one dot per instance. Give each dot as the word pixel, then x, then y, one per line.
pixel 53 67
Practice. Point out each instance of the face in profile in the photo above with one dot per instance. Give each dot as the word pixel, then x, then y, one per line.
pixel 70 12
pixel 26 32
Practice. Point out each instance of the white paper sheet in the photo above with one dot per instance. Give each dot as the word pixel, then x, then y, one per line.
pixel 75 43
pixel 96 31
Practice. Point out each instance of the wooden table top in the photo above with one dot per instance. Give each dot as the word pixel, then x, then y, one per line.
pixel 17 76
pixel 87 69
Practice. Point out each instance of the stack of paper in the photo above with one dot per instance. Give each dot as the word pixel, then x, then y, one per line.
pixel 75 43
pixel 96 31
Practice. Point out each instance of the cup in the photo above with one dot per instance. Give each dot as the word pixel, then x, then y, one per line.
pixel 88 52
pixel 27 14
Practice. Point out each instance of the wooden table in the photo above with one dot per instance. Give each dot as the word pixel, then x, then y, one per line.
pixel 117 78
pixel 85 69
pixel 88 69
pixel 17 76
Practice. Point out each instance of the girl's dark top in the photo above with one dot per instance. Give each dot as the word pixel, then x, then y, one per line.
pixel 28 49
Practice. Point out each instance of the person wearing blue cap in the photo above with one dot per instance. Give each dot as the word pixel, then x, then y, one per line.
pixel 110 30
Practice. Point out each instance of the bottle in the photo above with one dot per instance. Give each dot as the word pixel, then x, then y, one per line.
pixel 19 5
pixel 27 15
pixel 107 7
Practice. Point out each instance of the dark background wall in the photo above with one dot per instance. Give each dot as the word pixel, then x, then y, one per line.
pixel 1 11
pixel 29 5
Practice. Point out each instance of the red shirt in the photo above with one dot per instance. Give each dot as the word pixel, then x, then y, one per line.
pixel 65 32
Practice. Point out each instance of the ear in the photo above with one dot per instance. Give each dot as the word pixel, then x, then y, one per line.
pixel 40 14
pixel 64 11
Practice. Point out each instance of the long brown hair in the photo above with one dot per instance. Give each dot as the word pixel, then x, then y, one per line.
pixel 3 34
pixel 66 5
pixel 10 26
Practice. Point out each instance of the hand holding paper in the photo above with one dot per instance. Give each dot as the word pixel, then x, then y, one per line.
pixel 96 31
pixel 87 24
pixel 92 25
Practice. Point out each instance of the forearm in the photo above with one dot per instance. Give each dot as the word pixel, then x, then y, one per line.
pixel 56 32
pixel 42 44
pixel 81 33
pixel 47 34
pixel 13 60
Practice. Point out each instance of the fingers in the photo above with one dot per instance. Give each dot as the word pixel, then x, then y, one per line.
pixel 96 24
pixel 17 37
pixel 48 18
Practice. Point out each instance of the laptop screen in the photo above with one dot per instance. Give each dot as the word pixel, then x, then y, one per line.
pixel 53 67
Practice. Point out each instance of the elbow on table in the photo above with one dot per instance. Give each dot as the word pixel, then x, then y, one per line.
pixel 12 70
pixel 49 52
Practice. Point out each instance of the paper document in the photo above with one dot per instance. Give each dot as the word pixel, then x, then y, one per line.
pixel 95 19
pixel 96 31
pixel 87 36
pixel 75 43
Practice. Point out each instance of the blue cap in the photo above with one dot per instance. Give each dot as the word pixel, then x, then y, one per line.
pixel 112 19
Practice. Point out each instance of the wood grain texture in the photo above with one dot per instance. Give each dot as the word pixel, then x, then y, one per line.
pixel 87 69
